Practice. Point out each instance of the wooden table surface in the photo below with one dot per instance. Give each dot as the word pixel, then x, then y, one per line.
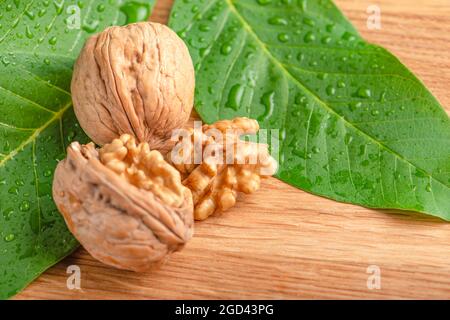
pixel 283 243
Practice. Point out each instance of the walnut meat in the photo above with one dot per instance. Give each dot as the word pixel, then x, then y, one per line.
pixel 227 164
pixel 137 79
pixel 124 203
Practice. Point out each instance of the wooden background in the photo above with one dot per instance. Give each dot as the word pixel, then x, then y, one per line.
pixel 282 243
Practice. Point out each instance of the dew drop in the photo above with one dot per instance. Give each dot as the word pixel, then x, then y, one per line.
pixel 8 213
pixel 235 96
pixel 42 12
pixel 52 41
pixel 309 22
pixel 348 139
pixel 278 21
pixel 301 100
pixel 24 206
pixel 47 173
pixel 10 237
pixel 135 11
pixel 59 6
pixel 364 92
pixel 204 28
pixel 13 190
pixel 326 40
pixel 330 27
pixel 331 91
pixel 195 9
pixel 225 49
pixel 6 146
pixel 204 51
pixel 347 36
pixel 28 33
pixel 268 101
pixel 70 136
pixel 309 37
pixel 30 14
pixel 362 150
pixel 283 37
pixel 355 105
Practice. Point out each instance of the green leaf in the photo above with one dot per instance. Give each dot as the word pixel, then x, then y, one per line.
pixel 356 125
pixel 39 41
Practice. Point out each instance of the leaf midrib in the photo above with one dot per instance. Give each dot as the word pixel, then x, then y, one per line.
pixel 36 133
pixel 56 115
pixel 247 26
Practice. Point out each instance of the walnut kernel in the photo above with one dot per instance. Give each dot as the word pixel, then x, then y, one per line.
pixel 235 166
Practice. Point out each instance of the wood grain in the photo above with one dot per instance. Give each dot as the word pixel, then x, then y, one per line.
pixel 283 243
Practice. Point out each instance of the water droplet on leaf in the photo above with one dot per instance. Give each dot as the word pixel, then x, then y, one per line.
pixel 135 11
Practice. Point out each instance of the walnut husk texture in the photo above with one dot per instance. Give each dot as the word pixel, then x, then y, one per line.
pixel 137 79
pixel 123 224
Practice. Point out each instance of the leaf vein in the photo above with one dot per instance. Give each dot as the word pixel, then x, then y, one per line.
pixel 19 17
pixel 302 85
pixel 35 134
pixel 34 103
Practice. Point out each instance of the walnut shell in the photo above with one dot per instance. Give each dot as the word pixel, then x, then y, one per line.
pixel 122 221
pixel 136 79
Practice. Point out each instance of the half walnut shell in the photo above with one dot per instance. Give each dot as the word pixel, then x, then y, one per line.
pixel 123 215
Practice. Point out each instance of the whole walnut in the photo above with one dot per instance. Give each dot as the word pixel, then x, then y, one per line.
pixel 136 79
pixel 124 203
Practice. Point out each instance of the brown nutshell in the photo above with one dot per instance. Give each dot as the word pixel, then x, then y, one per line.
pixel 136 79
pixel 123 203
